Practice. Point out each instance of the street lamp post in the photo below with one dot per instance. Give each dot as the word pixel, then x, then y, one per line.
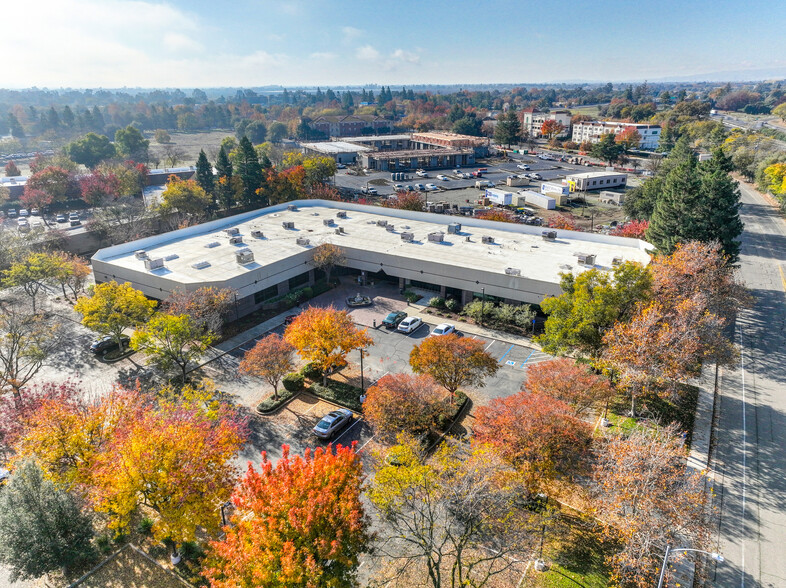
pixel 482 304
pixel 716 556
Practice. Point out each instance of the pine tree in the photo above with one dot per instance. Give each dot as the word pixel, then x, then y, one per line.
pixel 674 218
pixel 250 171
pixel 721 205
pixel 224 193
pixel 508 129
pixel 204 173
pixel 68 116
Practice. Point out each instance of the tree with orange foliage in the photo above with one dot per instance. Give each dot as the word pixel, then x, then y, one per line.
pixel 324 336
pixel 633 229
pixel 646 499
pixel 570 382
pixel 270 359
pixel 629 138
pixel 406 201
pixel 551 128
pixel 453 362
pixel 497 214
pixel 327 256
pixel 300 524
pixel 561 221
pixel 403 403
pixel 536 433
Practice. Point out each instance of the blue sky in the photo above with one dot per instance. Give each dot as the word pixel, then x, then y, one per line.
pixel 208 43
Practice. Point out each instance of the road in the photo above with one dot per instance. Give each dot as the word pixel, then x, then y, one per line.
pixel 749 460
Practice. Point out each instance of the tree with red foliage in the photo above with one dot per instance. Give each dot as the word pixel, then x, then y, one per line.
pixel 299 524
pixel 497 214
pixel 633 229
pixel 55 182
pixel 406 201
pixel 98 187
pixel 403 403
pixel 270 359
pixel 551 128
pixel 536 433
pixel 11 170
pixel 629 138
pixel 320 191
pixel 34 198
pixel 570 382
pixel 561 221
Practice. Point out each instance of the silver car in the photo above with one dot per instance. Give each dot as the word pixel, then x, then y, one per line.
pixel 332 423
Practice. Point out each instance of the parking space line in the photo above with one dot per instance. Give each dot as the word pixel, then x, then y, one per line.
pixel 347 431
pixel 366 443
pixel 526 360
pixel 506 353
pixel 490 344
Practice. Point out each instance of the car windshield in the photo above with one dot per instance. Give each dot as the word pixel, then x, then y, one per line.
pixel 324 423
pixel 392 316
pixel 438 331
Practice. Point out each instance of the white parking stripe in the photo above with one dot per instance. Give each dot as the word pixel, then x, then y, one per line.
pixel 490 344
pixel 347 431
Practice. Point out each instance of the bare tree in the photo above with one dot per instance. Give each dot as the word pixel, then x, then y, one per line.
pixel 124 220
pixel 326 257
pixel 654 162
pixel 173 154
pixel 27 340
pixel 206 306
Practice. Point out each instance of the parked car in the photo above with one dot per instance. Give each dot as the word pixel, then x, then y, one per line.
pixel 443 329
pixel 23 212
pixel 420 187
pixel 23 225
pixel 421 174
pixel 73 216
pixel 522 166
pixel 393 320
pixel 443 177
pixel 398 187
pixel 431 187
pixel 534 176
pixel 35 212
pixel 332 423
pixel 368 190
pixel 409 324
pixel 409 188
pixel 108 343
pixel 341 166
pixel 11 213
pixel 61 218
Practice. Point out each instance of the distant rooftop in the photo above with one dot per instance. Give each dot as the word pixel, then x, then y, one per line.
pixel 334 147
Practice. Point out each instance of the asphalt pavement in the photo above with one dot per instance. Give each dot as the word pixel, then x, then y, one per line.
pixel 749 460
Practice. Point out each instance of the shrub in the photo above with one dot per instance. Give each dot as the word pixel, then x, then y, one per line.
pixel 307 293
pixel 311 371
pixel 270 404
pixel 452 305
pixel 411 296
pixel 340 393
pixel 293 381
pixel 191 550
pixel 146 526
pixel 450 410
pixel 104 544
pixel 437 302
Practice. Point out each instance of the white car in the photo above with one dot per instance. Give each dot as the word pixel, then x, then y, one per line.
pixel 522 166
pixel 23 212
pixel 421 174
pixel 443 177
pixel 443 329
pixel 431 187
pixel 409 324
pixel 398 187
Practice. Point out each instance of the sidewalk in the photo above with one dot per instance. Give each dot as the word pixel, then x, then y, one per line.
pixel 699 457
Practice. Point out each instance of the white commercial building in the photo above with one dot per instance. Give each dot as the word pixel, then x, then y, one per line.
pixel 596 181
pixel 341 151
pixel 532 120
pixel 265 253
pixel 591 131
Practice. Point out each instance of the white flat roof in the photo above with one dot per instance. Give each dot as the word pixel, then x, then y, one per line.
pixel 515 246
pixel 333 147
pixel 590 175
pixel 365 138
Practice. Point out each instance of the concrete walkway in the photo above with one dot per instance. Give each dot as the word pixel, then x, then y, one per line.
pixel 699 457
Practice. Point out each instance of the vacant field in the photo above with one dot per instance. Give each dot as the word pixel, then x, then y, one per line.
pixel 191 143
pixel 588 110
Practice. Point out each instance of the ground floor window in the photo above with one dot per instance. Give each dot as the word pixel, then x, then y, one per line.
pixel 266 294
pixel 425 286
pixel 299 280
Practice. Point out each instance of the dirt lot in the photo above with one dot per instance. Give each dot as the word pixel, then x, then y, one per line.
pixel 191 143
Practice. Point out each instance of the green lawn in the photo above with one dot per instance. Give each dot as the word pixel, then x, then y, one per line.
pixel 588 110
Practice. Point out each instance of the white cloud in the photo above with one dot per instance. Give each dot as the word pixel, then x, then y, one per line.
pixel 367 53
pixel 350 34
pixel 176 42
pixel 405 56
pixel 322 55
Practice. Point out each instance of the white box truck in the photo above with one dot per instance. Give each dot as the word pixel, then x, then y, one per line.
pixel 499 197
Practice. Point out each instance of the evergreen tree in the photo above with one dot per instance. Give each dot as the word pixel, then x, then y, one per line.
pixel 250 171
pixel 98 120
pixel 224 193
pixel 720 197
pixel 346 100
pixel 52 119
pixel 607 149
pixel 674 216
pixel 68 116
pixel 204 173
pixel 508 129
pixel 16 129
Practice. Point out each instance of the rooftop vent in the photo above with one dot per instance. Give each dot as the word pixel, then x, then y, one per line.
pixel 288 225
pixel 487 239
pixel 236 240
pixel 140 254
pixel 339 230
pixel 454 228
pixel 512 271
pixel 200 265
pixel 382 223
pixel 244 256
pixel 390 228
pixel 232 231
pixel 549 235
pixel 408 237
pixel 151 264
pixel 292 207
pixel 436 237
pixel 212 244
pixel 328 222
pixel 302 241
pixel 171 256
pixel 257 234
pixel 341 214
pixel 616 261
pixel 586 259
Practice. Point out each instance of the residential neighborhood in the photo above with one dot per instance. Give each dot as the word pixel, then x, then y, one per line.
pixel 317 310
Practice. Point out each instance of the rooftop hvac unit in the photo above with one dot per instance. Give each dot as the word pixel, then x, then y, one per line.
pixel 201 265
pixel 586 259
pixel 212 244
pixel 339 230
pixel 328 222
pixel 140 254
pixel 244 256
pixel 171 256
pixel 292 207
pixel 382 223
pixel 302 241
pixel 341 214
pixel 616 261
pixel 549 235
pixel 409 237
pixel 288 225
pixel 390 228
pixel 436 237
pixel 454 228
pixel 486 239
pixel 151 264
pixel 232 231
pixel 257 234
pixel 236 240
pixel 512 271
